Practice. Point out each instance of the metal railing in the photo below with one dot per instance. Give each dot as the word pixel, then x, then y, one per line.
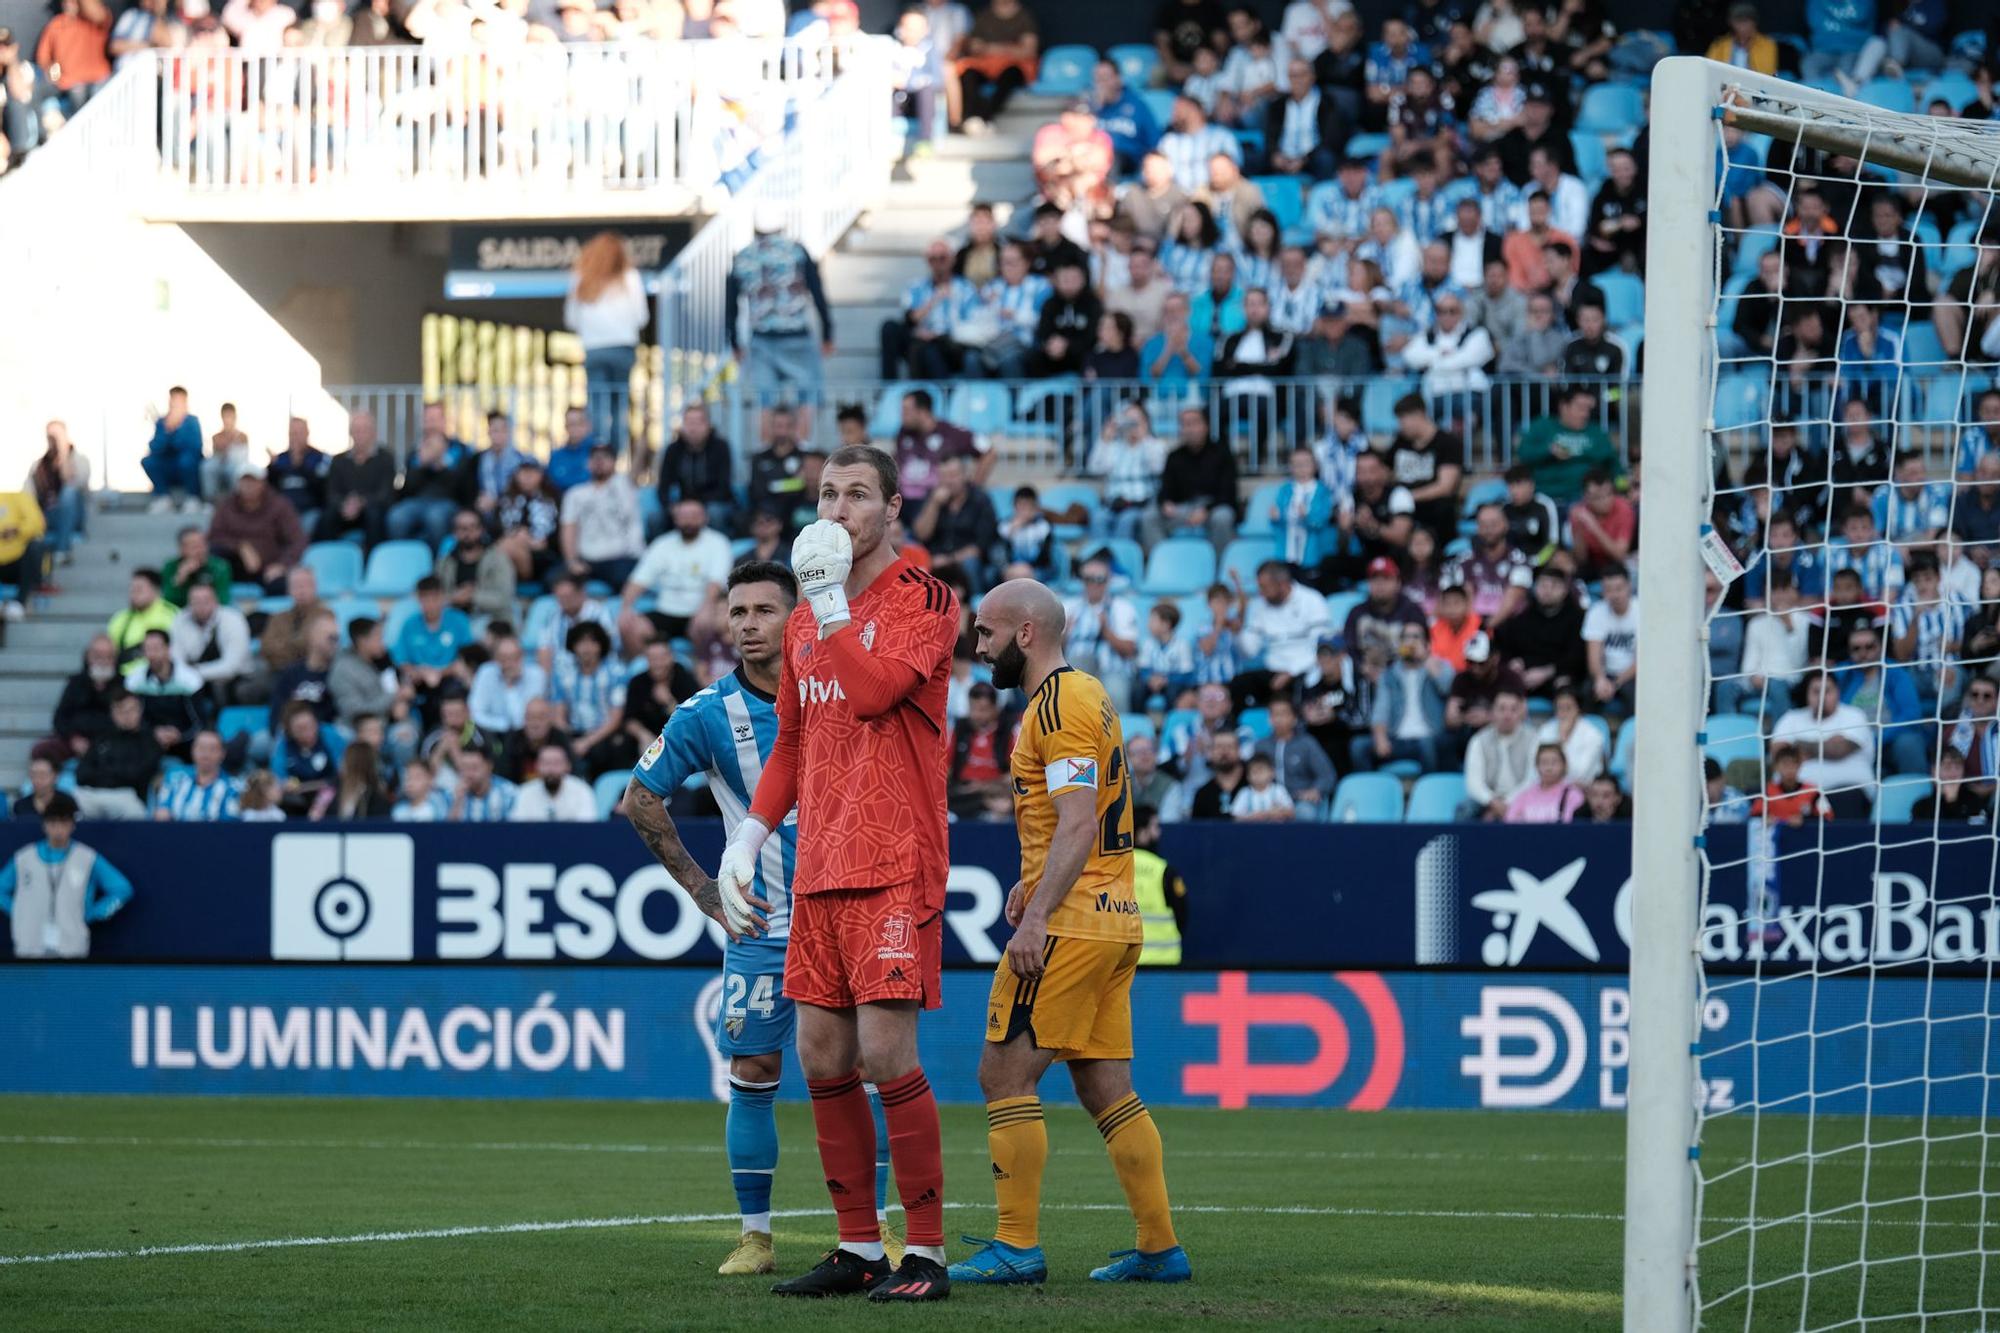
pixel 1048 426
pixel 606 119
pixel 819 179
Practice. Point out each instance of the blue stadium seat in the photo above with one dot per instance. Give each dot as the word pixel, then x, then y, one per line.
pixel 887 418
pixel 1621 754
pixel 1137 64
pixel 1611 108
pixel 1921 346
pixel 981 407
pixel 1728 750
pixel 1888 95
pixel 1136 724
pixel 1729 726
pixel 1953 87
pixel 350 609
pixel 1727 341
pixel 1256 721
pixel 1061 496
pixel 1368 798
pixel 398 613
pixel 1249 139
pixel 1742 400
pixel 1255 520
pixel 1285 196
pixel 1959 250
pixel 1897 797
pixel 240 720
pixel 652 513
pixel 1396 194
pixel 608 788
pixel 337 565
pixel 1588 148
pixel 1043 406
pixel 394 568
pixel 1367 145
pixel 1159 101
pixel 1487 491
pixel 1179 565
pixel 1126 554
pixel 741 547
pixel 1624 298
pixel 1378 404
pixel 1752 246
pixel 1340 604
pixel 1065 71
pixel 1435 798
pixel 1243 556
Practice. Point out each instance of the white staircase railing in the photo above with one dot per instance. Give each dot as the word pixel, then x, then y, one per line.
pixel 390 132
pixel 820 180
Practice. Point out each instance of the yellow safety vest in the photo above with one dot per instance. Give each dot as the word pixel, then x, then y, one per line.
pixel 1149 886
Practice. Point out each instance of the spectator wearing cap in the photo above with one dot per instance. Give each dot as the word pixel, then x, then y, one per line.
pixel 1473 689
pixel 193 562
pixel 257 532
pixel 1191 142
pixel 54 889
pixel 1197 487
pixel 1283 625
pixel 1407 722
pixel 603 535
pixel 1499 760
pixel 1544 644
pixel 774 290
pixel 1375 624
pixel 683 570
pixel 1337 346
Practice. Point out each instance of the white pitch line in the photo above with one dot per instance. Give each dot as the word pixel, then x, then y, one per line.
pixel 680 1219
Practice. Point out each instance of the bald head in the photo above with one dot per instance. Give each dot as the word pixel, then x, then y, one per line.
pixel 1019 632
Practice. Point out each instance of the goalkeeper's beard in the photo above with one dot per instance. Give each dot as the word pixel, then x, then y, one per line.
pixel 1010 667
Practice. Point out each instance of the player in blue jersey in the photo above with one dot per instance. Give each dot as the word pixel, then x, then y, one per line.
pixel 726 732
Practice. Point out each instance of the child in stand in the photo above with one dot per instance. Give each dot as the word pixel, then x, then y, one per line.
pixel 1215 648
pixel 1789 800
pixel 1029 536
pixel 1166 661
pixel 259 802
pixel 422 802
pixel 1264 800
pixel 1302 512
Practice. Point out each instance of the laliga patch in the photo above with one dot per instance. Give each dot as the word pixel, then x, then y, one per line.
pixel 1071 773
pixel 652 755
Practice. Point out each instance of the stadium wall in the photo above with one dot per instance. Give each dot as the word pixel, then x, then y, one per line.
pixel 1494 898
pixel 1356 1040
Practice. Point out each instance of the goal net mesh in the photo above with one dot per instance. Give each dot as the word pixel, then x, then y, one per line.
pixel 1849 926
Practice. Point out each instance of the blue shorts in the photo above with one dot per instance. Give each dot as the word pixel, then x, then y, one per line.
pixel 755 1017
pixel 784 367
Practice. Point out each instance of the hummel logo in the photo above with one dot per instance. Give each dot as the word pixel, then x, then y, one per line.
pixel 835 1187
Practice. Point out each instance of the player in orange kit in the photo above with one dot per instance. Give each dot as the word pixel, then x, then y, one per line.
pixel 861 718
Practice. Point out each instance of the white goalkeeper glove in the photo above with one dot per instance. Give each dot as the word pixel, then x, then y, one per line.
pixel 736 874
pixel 821 558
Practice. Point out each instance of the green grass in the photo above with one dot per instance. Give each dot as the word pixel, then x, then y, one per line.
pixel 1451 1220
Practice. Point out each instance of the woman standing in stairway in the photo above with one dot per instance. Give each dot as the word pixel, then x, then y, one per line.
pixel 607 311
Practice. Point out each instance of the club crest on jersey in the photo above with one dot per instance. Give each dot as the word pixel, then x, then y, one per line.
pixel 652 755
pixel 868 636
pixel 896 937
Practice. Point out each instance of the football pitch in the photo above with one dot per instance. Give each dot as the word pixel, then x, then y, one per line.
pixel 170 1213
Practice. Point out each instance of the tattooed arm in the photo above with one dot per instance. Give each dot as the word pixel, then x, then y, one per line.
pixel 648 814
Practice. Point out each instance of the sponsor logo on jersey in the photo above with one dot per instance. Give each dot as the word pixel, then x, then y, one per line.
pixel 652 755
pixel 1118 907
pixel 815 691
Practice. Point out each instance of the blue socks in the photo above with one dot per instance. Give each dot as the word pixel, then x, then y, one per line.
pixel 751 1135
pixel 881 1150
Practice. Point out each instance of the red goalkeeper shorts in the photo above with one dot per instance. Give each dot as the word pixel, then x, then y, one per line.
pixel 857 946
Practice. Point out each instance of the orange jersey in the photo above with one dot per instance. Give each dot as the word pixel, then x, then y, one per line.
pixel 861 722
pixel 1071 738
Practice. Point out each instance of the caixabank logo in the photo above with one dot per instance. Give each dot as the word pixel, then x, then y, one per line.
pixel 1297 1040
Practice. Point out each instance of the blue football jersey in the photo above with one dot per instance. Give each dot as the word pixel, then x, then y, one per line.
pixel 727 731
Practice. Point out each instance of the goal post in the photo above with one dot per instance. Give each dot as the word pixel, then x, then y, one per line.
pixel 1852 1181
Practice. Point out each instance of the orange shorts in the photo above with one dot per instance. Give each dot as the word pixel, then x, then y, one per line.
pixel 857 946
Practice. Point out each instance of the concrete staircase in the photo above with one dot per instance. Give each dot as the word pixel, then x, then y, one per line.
pixel 46 649
pixel 884 253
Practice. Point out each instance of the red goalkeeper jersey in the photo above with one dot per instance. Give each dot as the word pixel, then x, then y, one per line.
pixel 860 749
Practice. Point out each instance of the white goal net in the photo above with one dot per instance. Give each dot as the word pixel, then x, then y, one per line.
pixel 1816 927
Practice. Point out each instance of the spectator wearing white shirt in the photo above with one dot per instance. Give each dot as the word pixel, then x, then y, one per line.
pixel 258 25
pixel 1392 246
pixel 1284 623
pixel 202 794
pixel 1500 760
pixel 684 570
pixel 1452 354
pixel 214 641
pixel 481 797
pixel 1581 739
pixel 1837 744
pixel 1130 459
pixel 421 802
pixel 602 533
pixel 502 687
pixel 1262 799
pixel 1611 647
pixel 556 795
pixel 1307 26
pixel 1103 630
pixel 1569 201
pixel 1776 646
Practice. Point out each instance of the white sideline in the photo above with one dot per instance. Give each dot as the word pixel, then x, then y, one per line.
pixel 678 1219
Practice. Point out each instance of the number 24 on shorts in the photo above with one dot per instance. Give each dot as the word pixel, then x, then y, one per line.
pixel 744 994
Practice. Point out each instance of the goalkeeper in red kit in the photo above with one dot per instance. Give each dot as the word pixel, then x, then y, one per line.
pixel 860 752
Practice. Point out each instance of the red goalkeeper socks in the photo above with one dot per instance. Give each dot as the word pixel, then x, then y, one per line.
pixel 846 1128
pixel 916 1153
